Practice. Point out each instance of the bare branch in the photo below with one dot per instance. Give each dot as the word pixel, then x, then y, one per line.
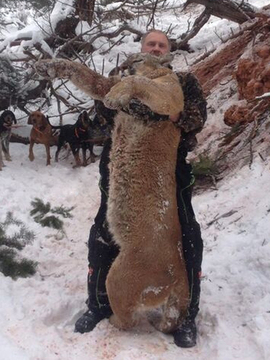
pixel 152 17
pixel 227 9
pixel 198 24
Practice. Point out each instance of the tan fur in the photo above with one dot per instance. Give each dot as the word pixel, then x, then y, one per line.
pixel 142 213
pixel 41 133
pixel 154 85
pixel 93 84
pixel 149 273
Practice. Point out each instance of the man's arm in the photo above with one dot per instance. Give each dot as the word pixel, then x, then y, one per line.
pixel 195 111
pixel 194 114
pixel 140 111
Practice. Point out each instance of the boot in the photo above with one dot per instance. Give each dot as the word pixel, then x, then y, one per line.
pixel 100 257
pixel 88 321
pixel 97 302
pixel 186 335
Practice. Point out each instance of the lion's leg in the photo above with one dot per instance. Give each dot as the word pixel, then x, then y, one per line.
pixel 165 98
pixel 162 97
pixel 123 296
pixel 87 80
pixel 172 312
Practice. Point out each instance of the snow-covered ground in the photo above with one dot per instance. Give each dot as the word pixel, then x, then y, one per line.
pixel 37 314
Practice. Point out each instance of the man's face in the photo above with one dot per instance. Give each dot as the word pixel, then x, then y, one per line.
pixel 156 44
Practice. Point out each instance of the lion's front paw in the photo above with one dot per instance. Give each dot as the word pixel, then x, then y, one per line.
pixel 116 103
pixel 45 69
pixel 118 97
pixel 51 69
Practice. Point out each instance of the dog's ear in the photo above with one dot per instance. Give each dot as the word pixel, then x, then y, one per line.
pixel 14 119
pixel 30 121
pixel 85 115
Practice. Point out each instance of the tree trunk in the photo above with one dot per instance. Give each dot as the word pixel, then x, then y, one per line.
pixel 221 64
pixel 227 9
pixel 85 10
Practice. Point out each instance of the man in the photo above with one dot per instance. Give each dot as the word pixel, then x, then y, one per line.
pixel 102 250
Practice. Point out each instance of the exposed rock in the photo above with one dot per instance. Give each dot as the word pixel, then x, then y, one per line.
pixel 236 76
pixel 253 79
pixel 246 58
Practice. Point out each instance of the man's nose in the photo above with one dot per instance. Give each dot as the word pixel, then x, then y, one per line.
pixel 156 50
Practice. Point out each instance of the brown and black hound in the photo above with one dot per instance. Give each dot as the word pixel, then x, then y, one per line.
pixel 7 119
pixel 41 133
pixel 77 136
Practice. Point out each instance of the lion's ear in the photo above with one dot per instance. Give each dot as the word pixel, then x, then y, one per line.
pixel 30 122
pixel 166 59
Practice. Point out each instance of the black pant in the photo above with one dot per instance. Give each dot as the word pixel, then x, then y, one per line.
pixel 191 233
pixel 103 251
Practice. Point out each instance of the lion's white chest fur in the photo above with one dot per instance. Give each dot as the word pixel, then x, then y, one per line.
pixel 142 178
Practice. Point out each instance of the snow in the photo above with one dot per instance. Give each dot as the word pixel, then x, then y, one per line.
pixel 38 313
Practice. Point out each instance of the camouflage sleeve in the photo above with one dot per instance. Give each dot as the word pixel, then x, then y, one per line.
pixel 140 111
pixel 195 112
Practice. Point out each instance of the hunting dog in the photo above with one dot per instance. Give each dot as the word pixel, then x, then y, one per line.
pixel 41 133
pixel 149 274
pixel 77 136
pixel 7 119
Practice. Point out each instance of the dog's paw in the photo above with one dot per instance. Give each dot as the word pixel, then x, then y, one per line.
pixel 31 157
pixel 57 68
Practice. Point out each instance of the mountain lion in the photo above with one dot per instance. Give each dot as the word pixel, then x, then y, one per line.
pixel 149 274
